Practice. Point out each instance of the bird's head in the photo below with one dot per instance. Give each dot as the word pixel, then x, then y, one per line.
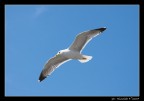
pixel 62 51
pixel 59 52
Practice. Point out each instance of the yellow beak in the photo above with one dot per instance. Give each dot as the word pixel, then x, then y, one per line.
pixel 57 54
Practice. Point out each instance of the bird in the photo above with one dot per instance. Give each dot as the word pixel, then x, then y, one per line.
pixel 73 52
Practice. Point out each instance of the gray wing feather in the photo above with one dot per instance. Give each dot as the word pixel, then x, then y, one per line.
pixel 83 38
pixel 51 65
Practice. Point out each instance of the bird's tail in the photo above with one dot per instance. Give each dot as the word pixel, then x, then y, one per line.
pixel 85 58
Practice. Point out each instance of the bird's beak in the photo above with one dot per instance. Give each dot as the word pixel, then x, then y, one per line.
pixel 57 54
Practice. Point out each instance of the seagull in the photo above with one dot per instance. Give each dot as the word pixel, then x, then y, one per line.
pixel 73 52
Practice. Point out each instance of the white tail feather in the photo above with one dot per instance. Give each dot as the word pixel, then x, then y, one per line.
pixel 85 58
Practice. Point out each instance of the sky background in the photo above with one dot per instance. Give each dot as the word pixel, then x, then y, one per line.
pixel 35 33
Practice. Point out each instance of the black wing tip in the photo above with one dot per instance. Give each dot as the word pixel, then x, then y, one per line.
pixel 41 78
pixel 102 29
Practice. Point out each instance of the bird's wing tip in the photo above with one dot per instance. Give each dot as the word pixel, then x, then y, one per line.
pixel 42 78
pixel 102 29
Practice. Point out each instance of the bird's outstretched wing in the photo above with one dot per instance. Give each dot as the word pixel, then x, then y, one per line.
pixel 51 65
pixel 83 38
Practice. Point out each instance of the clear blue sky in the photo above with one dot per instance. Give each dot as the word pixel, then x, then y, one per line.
pixel 35 33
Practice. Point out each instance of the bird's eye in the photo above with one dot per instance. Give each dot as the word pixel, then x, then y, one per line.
pixel 58 52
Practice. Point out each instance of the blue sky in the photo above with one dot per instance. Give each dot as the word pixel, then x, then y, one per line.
pixel 35 33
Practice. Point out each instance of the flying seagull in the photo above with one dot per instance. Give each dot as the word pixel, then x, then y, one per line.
pixel 73 52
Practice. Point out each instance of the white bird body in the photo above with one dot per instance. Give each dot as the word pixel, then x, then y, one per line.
pixel 73 52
